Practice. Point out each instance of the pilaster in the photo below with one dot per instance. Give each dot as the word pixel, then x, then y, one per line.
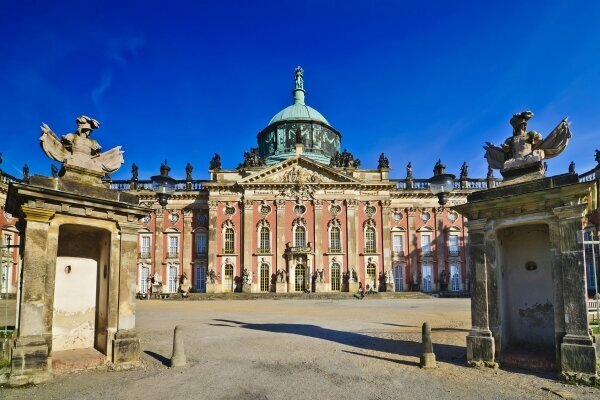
pixel 351 222
pixel 187 248
pixel 246 241
pixel 387 237
pixel 280 236
pixel 158 242
pixel 212 237
pixel 318 207
pixel 440 245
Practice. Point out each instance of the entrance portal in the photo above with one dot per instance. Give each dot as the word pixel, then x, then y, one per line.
pixel 300 278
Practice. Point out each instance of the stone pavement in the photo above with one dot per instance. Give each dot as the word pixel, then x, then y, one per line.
pixel 317 349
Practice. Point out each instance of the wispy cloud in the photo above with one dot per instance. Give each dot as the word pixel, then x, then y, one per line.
pixel 101 87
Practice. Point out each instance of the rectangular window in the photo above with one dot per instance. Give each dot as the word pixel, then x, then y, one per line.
pixel 173 246
pixel 453 245
pixel 397 245
pixel 229 241
pixel 144 279
pixel 200 279
pixel 426 244
pixel 145 246
pixel 370 243
pixel 201 245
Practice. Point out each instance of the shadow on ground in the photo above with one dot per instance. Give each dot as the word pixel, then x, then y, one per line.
pixel 160 358
pixel 444 352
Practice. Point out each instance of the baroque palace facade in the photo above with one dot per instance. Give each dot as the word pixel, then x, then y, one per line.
pixel 296 215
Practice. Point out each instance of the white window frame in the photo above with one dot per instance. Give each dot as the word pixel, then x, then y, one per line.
pixel 305 238
pixel 201 239
pixel 145 252
pixel 426 244
pixel 172 278
pixel 399 250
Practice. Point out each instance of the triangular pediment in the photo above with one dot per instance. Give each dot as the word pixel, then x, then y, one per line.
pixel 299 170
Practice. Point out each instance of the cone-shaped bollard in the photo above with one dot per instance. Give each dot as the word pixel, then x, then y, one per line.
pixel 428 357
pixel 178 357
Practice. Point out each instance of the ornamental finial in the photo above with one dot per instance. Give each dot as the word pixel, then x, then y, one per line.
pixel 299 77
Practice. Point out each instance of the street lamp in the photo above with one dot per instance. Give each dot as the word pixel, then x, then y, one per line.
pixel 441 184
pixel 163 184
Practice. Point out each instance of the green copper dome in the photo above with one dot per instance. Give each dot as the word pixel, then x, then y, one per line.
pixel 298 110
pixel 295 124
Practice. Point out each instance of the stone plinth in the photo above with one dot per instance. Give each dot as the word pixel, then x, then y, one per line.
pixel 389 287
pixel 352 287
pixel 281 287
pixel 321 287
pixel 246 288
pixel 212 288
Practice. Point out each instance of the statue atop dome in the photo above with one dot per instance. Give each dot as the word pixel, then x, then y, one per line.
pixel 299 77
pixel 79 151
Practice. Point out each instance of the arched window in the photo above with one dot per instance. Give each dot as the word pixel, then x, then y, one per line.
pixel 229 241
pixel 335 243
pixel 265 277
pixel 300 237
pixel 265 241
pixel 335 277
pixel 370 243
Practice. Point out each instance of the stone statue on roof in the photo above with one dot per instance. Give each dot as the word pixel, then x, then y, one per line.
pixel 525 148
pixel 78 150
pixel 299 77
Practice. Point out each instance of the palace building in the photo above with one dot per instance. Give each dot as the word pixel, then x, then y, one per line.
pixel 297 214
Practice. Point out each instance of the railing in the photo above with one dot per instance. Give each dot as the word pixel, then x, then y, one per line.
pixel 591 175
pixel 180 185
pixel 370 250
pixel 173 254
pixel 144 254
pixel 227 251
pixel 335 249
pixel 398 253
pixel 298 249
pixel 263 250
pixel 7 178
pixel 454 253
pixel 425 253
pixel 466 183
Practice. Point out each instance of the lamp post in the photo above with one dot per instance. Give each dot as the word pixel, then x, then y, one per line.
pixel 441 184
pixel 163 185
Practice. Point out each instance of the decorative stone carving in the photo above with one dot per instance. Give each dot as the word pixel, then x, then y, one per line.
pixel 439 168
pixel 526 148
pixel 383 162
pixel 252 159
pixel 134 172
pixel 78 150
pixel 188 172
pixel 464 173
pixel 345 159
pixel 215 163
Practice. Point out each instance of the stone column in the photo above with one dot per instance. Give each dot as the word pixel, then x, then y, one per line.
pixel 480 344
pixel 187 246
pixel 280 262
pixel 387 240
pixel 32 347
pixel 578 354
pixel 158 242
pixel 440 246
pixel 212 237
pixel 318 264
pixel 246 243
pixel 126 345
pixel 351 233
pixel 411 243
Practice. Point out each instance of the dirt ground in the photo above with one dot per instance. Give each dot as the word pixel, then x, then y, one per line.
pixel 303 349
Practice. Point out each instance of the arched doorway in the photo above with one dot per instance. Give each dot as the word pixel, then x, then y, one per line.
pixel 335 277
pixel 265 277
pixel 228 278
pixel 300 276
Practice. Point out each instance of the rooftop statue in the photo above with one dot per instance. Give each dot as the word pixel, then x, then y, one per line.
pixel 525 148
pixel 78 150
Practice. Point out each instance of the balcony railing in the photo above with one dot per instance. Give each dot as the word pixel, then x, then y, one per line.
pixel 173 254
pixel 263 250
pixel 227 251
pixel 370 250
pixel 144 254
pixel 426 253
pixel 399 253
pixel 454 253
pixel 298 249
pixel 335 249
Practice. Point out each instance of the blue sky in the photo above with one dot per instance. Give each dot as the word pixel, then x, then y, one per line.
pixel 182 80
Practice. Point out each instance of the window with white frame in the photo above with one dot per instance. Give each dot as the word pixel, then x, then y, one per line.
pixel 335 242
pixel 265 240
pixel 229 241
pixel 144 279
pixel 335 276
pixel 397 243
pixel 426 244
pixel 145 246
pixel 454 278
pixel 173 279
pixel 370 242
pixel 228 278
pixel 265 277
pixel 201 243
pixel 300 237
pixel 173 246
pixel 453 245
pixel 200 278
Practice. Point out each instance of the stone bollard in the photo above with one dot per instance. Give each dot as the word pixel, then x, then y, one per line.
pixel 178 357
pixel 428 356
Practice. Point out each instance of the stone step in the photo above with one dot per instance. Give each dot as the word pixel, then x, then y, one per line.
pixel 78 359
pixel 297 296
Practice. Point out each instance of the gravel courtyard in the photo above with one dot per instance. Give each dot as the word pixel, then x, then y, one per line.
pixel 303 349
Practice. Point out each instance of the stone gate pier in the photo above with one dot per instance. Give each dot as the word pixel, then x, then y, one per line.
pixel 78 281
pixel 528 278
